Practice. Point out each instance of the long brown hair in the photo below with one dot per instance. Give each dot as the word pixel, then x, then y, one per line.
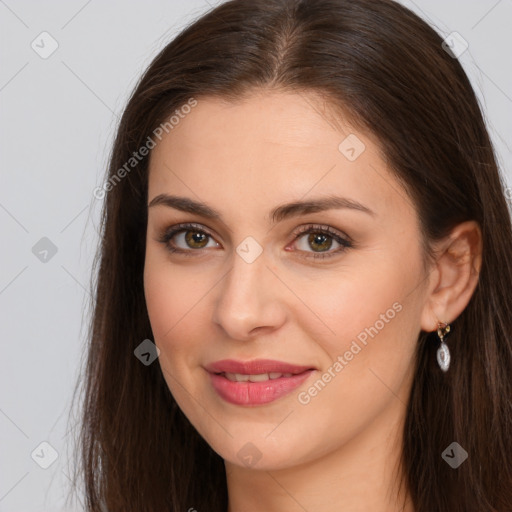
pixel 387 70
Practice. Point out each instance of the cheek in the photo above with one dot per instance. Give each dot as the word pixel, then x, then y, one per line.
pixel 170 293
pixel 171 301
pixel 372 315
pixel 161 299
pixel 176 298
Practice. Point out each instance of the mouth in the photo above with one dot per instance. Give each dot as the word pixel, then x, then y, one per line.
pixel 261 377
pixel 256 382
pixel 256 368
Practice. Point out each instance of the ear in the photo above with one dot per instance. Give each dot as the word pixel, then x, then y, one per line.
pixel 454 276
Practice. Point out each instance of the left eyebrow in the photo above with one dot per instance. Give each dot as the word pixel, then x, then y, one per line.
pixel 278 214
pixel 297 208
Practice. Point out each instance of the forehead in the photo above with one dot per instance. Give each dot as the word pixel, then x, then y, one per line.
pixel 295 121
pixel 267 149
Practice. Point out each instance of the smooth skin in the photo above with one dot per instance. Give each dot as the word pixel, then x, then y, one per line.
pixel 208 303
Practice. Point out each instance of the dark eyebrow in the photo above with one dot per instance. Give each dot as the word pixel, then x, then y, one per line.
pixel 278 214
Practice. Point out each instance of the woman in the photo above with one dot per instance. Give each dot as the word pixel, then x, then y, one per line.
pixel 303 299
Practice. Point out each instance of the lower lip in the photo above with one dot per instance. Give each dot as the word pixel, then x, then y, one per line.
pixel 256 393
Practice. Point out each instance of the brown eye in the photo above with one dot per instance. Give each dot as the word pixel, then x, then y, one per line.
pixel 189 239
pixel 196 239
pixel 186 238
pixel 320 240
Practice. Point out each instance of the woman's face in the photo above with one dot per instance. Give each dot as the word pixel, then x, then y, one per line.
pixel 345 305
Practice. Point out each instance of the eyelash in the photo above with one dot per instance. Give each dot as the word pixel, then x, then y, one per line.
pixel 345 243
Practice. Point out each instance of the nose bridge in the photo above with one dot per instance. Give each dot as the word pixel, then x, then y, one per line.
pixel 247 299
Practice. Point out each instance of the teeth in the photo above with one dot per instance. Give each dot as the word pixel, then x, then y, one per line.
pixel 238 377
pixel 259 378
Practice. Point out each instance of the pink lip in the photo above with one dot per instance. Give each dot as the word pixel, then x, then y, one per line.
pixel 255 367
pixel 256 393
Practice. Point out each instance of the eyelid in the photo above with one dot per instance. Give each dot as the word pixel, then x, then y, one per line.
pixel 340 237
pixel 170 232
pixel 323 228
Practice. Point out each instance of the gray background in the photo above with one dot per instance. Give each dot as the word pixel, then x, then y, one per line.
pixel 57 121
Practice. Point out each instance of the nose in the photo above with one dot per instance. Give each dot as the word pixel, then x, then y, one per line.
pixel 250 300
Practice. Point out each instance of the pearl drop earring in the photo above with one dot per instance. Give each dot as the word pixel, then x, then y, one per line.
pixel 443 353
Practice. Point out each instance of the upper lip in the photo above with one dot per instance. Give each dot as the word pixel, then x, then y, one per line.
pixel 255 367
